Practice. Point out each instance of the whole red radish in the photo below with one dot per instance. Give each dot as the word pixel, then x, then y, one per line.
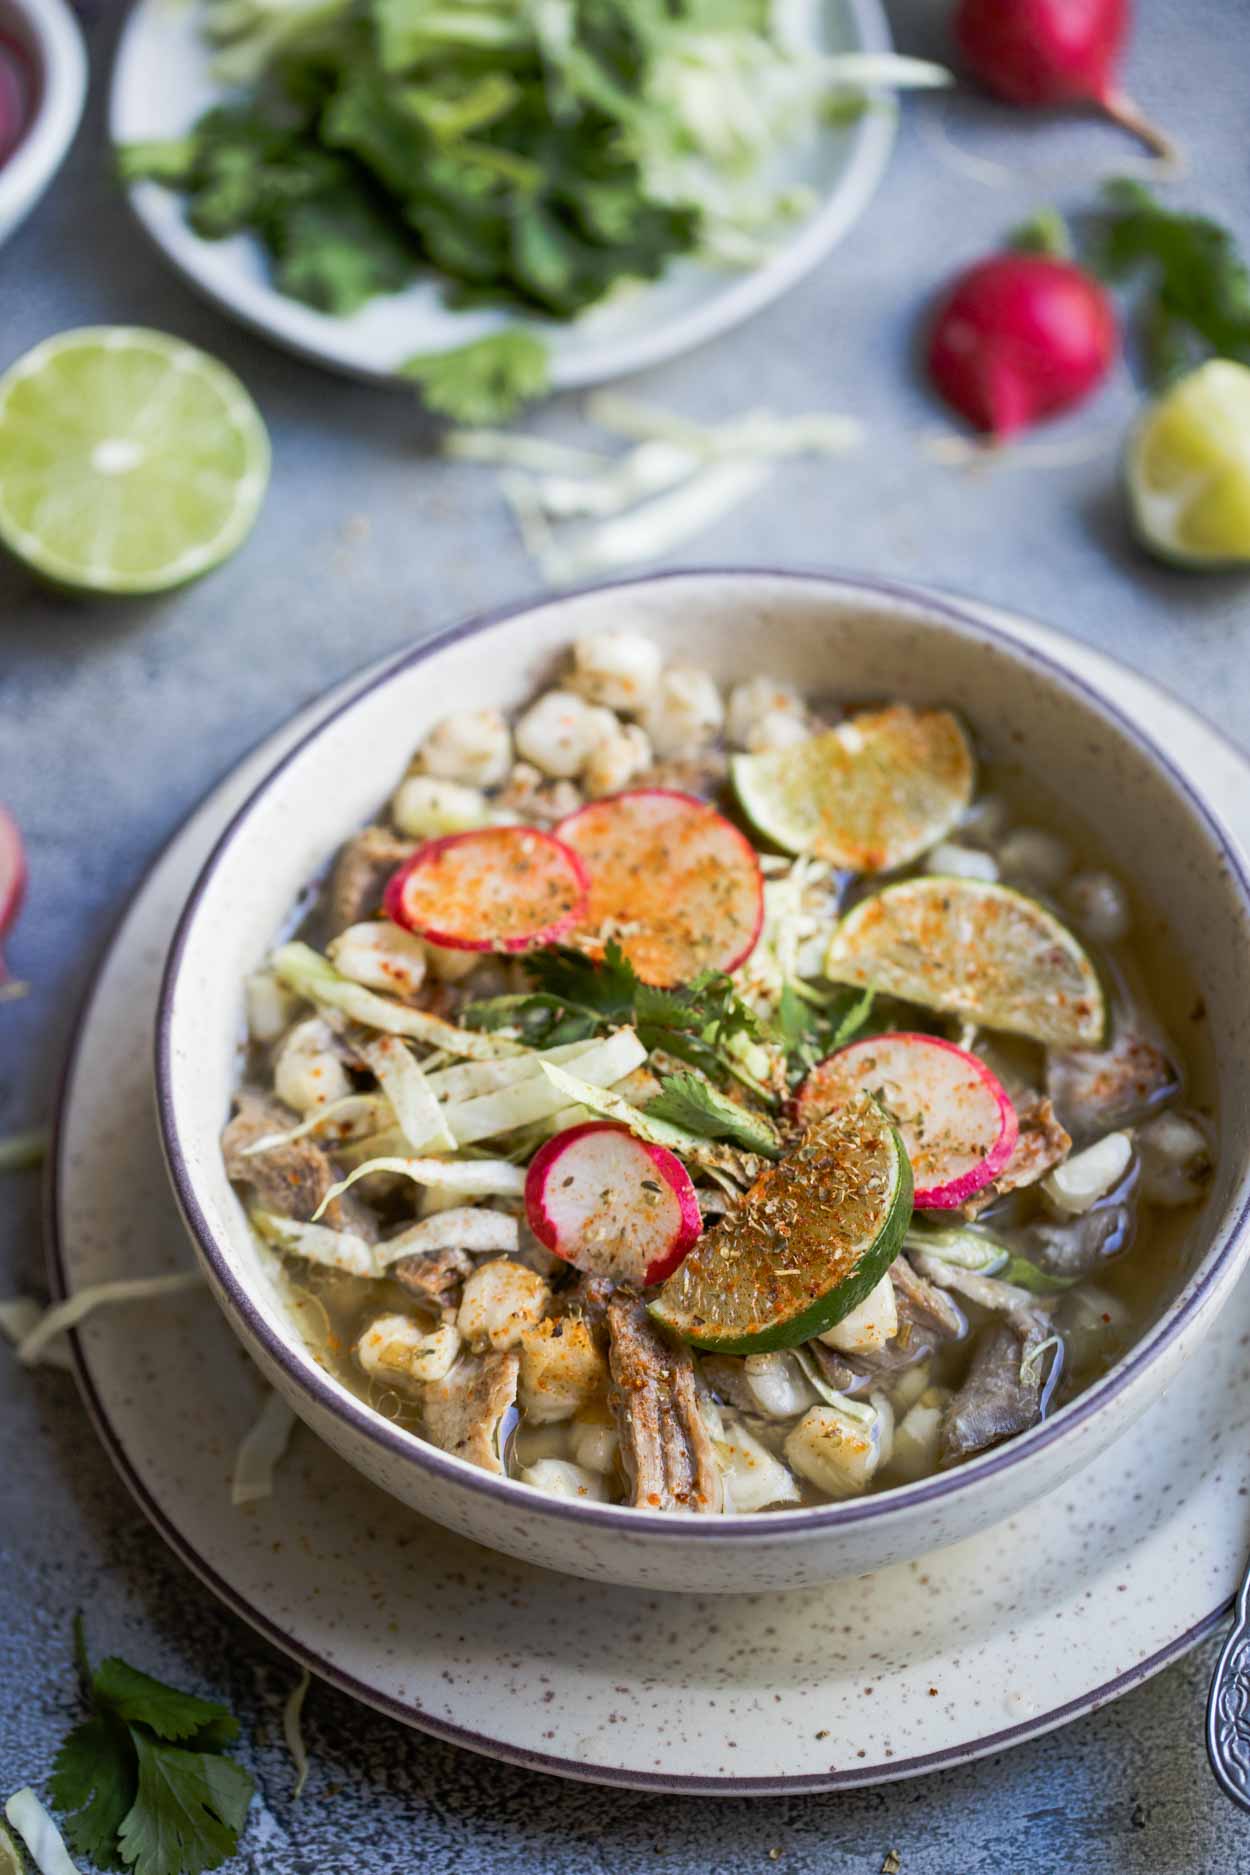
pixel 1020 337
pixel 1053 52
pixel 12 877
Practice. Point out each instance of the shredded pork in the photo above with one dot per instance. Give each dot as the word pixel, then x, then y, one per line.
pixel 668 1452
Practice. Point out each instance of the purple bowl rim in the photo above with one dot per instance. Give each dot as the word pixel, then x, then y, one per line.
pixel 793 1524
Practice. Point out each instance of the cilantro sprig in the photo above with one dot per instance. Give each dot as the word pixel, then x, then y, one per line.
pixel 1196 298
pixel 576 997
pixel 812 1029
pixel 688 1101
pixel 143 1779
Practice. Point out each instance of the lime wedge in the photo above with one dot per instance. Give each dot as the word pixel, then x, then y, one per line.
pixel 129 461
pixel 812 1237
pixel 870 795
pixel 1189 469
pixel 976 950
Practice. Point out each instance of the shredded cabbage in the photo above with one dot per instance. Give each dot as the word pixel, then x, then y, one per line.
pixel 478 1231
pixel 68 1314
pixel 854 1409
pixel 472 1178
pixel 470 1078
pixel 261 1448
pixel 536 1097
pixel 964 1248
pixel 658 526
pixel 356 1116
pixel 312 976
pixel 292 1731
pixel 39 1833
pixel 613 1106
pixel 22 1314
pixel 336 1249
pixel 410 1094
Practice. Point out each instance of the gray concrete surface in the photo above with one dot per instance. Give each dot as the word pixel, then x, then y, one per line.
pixel 114 721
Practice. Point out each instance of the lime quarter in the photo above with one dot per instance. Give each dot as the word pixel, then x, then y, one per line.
pixel 129 461
pixel 870 795
pixel 810 1240
pixel 1189 469
pixel 972 949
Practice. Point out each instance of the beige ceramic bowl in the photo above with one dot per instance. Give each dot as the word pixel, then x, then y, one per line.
pixel 827 635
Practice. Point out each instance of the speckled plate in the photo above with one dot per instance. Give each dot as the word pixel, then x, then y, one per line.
pixel 973 1649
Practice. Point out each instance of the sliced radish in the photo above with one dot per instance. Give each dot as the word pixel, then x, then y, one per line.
pixel 955 1119
pixel 12 877
pixel 496 889
pixel 674 882
pixel 612 1205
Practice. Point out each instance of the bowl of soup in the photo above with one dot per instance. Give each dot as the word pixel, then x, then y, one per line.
pixel 43 85
pixel 729 1077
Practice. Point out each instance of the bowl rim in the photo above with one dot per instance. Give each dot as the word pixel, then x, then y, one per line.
pixel 57 42
pixel 310 1380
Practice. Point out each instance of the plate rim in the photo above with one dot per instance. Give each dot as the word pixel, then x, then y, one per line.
pixel 890 1771
pixel 873 137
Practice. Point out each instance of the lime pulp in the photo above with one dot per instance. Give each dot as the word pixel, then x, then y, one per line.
pixel 1189 468
pixel 129 461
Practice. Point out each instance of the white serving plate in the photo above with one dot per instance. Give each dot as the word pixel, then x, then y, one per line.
pixel 1047 1616
pixel 162 80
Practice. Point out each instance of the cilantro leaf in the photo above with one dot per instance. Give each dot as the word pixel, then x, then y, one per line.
pixel 142 1780
pixel 138 1698
pixel 188 1809
pixel 609 988
pixel 1196 297
pixel 688 1101
pixel 485 382
pixel 810 1031
pixel 94 1782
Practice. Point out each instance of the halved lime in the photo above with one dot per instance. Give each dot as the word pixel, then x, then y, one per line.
pixel 1188 468
pixel 870 795
pixel 985 952
pixel 129 461
pixel 812 1237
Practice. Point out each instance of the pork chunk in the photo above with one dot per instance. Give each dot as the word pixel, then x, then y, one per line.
pixel 361 871
pixel 665 1443
pixel 1099 1090
pixel 1041 1145
pixel 435 1279
pixel 1003 1392
pixel 465 1413
pixel 290 1180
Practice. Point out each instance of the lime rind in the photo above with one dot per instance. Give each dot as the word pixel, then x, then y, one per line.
pixel 971 948
pixel 130 462
pixel 677 1308
pixel 1187 469
pixel 870 795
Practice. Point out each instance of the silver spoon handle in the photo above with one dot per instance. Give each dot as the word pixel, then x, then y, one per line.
pixel 1228 1708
